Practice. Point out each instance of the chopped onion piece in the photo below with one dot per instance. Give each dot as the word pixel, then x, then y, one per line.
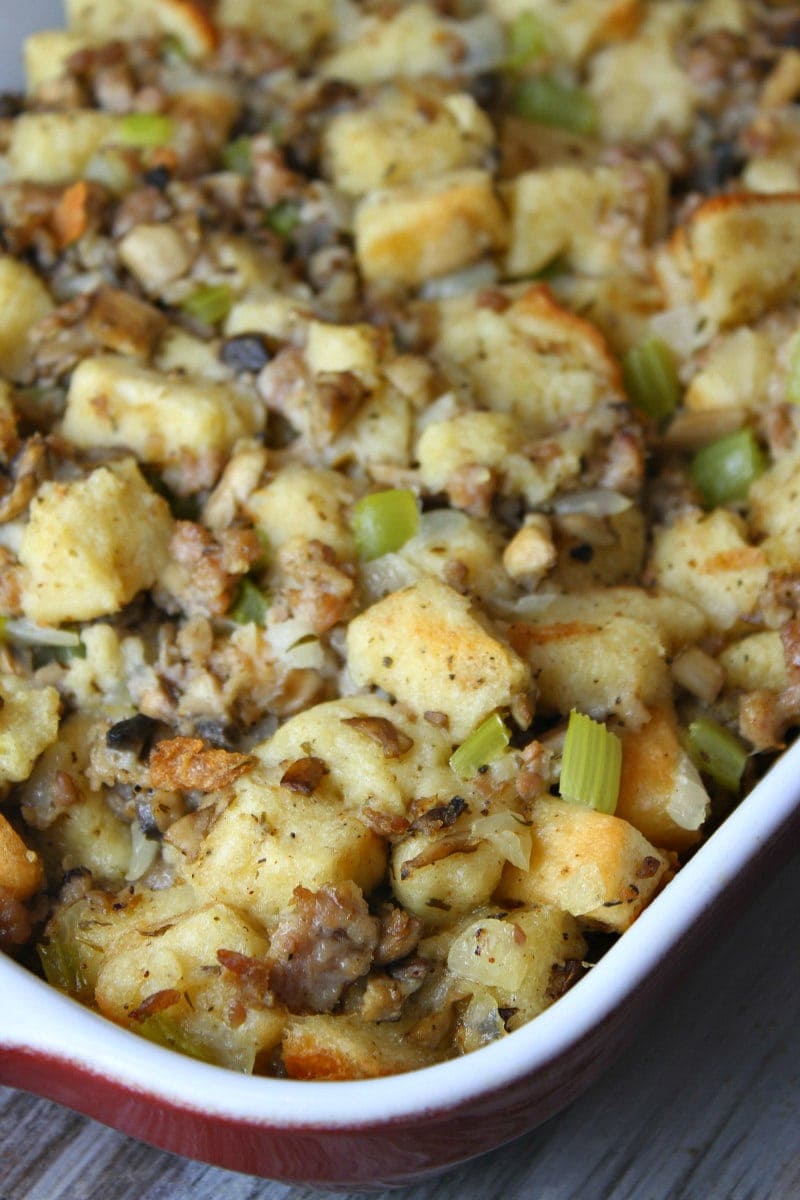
pixel 591 766
pixel 509 834
pixel 491 952
pixel 595 502
pixel 30 634
pixel 469 279
pixel 143 853
pixel 484 745
pixel 483 41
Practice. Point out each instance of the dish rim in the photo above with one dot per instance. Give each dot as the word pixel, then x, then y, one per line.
pixel 90 1043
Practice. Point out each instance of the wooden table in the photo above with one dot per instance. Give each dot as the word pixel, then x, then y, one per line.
pixel 704 1106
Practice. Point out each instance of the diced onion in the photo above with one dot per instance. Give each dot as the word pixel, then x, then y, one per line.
pixel 143 853
pixel 478 275
pixel 30 634
pixel 508 834
pixel 594 502
pixel 490 952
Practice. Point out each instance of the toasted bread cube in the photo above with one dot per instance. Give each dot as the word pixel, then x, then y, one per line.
pixel 755 663
pixel 115 402
pixel 677 621
pixel 595 866
pixel 271 839
pixel 107 20
pixel 345 1047
pixel 578 27
pixel 28 724
pixel 24 299
pixel 708 560
pixel 296 25
pixel 773 512
pixel 366 771
pixel 178 957
pixel 439 879
pixel 413 42
pixel 305 502
pixel 55 147
pixel 91 545
pixel 355 348
pixel 661 793
pixel 638 86
pixel 738 256
pixel 21 872
pixel 424 646
pixel 490 439
pixel 535 360
pixel 87 834
pixel 513 955
pixel 615 667
pixel 736 372
pixel 45 54
pixel 423 230
pixel 402 138
pixel 563 212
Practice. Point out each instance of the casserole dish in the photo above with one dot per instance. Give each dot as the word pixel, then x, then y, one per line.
pixel 390 1131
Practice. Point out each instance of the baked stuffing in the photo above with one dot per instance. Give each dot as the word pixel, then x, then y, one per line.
pixel 399 473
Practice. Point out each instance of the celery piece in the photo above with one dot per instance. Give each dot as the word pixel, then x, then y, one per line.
pixel 166 1030
pixel 210 304
pixel 250 606
pixel 283 218
pixel 651 378
pixel 793 376
pixel 236 156
pixel 550 102
pixel 145 129
pixel 591 764
pixel 527 40
pixel 484 745
pixel 725 469
pixel 384 521
pixel 717 752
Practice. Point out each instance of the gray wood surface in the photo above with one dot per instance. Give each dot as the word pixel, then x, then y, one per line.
pixel 705 1105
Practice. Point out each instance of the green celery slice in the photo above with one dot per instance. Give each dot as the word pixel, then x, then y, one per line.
pixel 384 521
pixel 717 752
pixel 527 40
pixel 484 745
pixel 146 129
pixel 550 102
pixel 283 218
pixel 210 304
pixel 250 606
pixel 651 378
pixel 725 469
pixel 236 156
pixel 591 764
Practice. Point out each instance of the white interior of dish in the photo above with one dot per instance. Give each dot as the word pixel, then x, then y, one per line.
pixel 38 1017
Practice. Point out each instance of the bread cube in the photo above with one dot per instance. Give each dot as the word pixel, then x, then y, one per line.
pixel 755 663
pixel 356 348
pixel 55 147
pixel 271 839
pixel 736 257
pixel 596 219
pixel 304 502
pixel 614 667
pixel 410 234
pixel 595 866
pixel 413 42
pixel 638 86
pixel 186 20
pixel 21 872
pixel 677 621
pixel 28 724
pixel 176 961
pixel 295 26
pixel 402 138
pixel 91 545
pixel 533 359
pixel 343 1047
pixel 24 299
pixel 410 763
pixel 661 793
pixel 440 878
pixel 708 560
pixel 736 372
pixel 45 54
pixel 115 402
pixel 773 512
pixel 424 646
